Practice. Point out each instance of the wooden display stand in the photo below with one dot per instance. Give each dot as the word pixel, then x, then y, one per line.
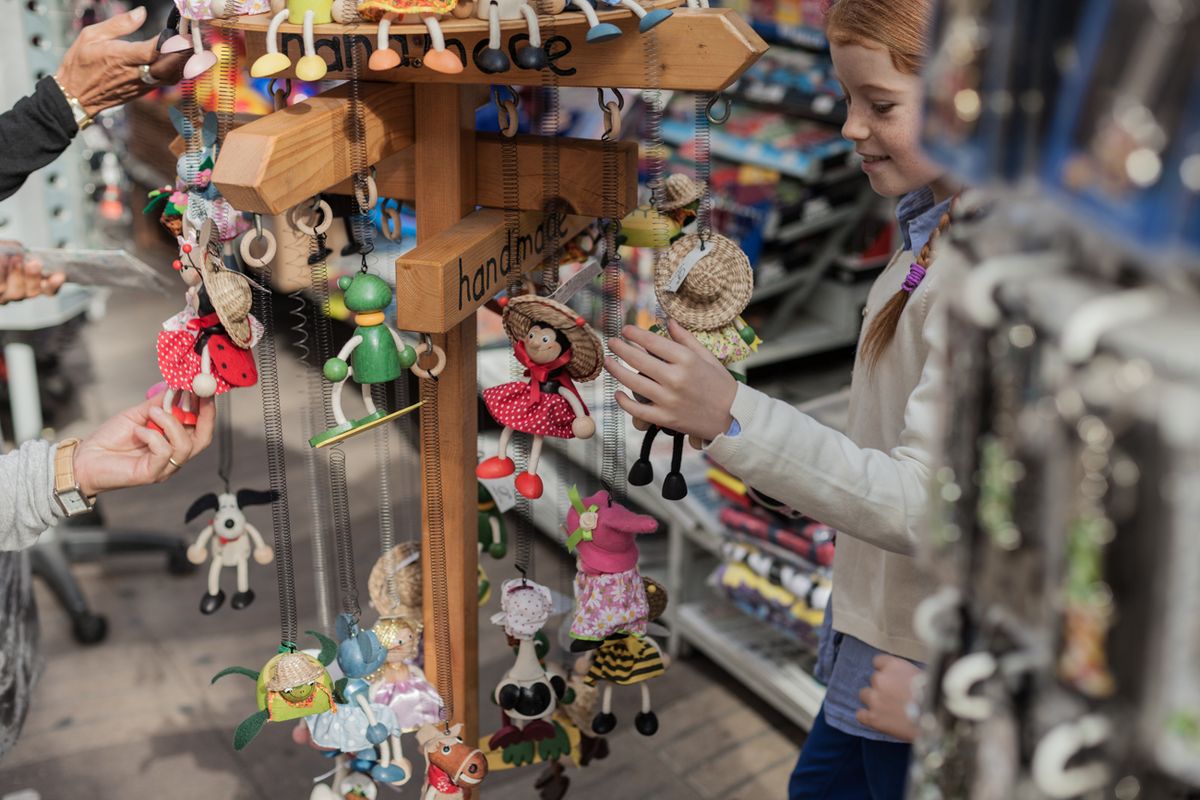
pixel 420 135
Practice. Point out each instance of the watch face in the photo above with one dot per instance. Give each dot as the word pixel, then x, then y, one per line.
pixel 72 502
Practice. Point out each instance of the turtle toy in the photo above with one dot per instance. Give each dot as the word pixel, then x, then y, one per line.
pixel 291 685
pixel 375 354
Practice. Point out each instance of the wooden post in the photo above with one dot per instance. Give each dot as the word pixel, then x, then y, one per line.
pixel 444 129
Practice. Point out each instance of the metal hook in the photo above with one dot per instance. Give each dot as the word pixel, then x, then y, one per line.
pixel 612 114
pixel 617 92
pixel 258 226
pixel 726 106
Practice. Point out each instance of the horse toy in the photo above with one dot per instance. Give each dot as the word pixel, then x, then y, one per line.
pixel 706 297
pixel 450 765
pixel 610 597
pixel 555 345
pixel 228 532
pixel 627 661
pixel 527 694
pixel 376 353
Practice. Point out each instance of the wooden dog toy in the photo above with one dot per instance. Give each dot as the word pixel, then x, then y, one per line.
pixel 225 538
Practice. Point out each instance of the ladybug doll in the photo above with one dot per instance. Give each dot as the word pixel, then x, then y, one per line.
pixel 556 347
pixel 204 350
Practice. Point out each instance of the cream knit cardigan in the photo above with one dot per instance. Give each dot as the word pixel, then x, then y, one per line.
pixel 871 483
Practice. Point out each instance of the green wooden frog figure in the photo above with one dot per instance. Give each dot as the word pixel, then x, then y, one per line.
pixel 374 354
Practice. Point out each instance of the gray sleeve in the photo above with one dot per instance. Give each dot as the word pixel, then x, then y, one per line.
pixel 27 504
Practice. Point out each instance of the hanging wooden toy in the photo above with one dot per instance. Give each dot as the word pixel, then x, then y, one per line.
pixel 310 67
pixel 605 31
pixel 527 694
pixel 492 59
pixel 362 727
pixel 195 199
pixel 228 539
pixel 293 684
pixel 610 597
pixel 375 354
pixel 204 350
pixel 192 13
pixel 555 345
pixel 703 283
pixel 493 538
pixel 400 683
pixel 681 198
pixel 630 660
pixel 450 764
pixel 385 12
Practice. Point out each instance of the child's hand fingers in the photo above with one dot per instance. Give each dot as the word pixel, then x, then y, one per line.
pixel 652 343
pixel 643 411
pixel 650 366
pixel 638 383
pixel 205 418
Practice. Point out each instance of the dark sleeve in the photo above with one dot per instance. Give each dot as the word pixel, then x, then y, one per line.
pixel 32 134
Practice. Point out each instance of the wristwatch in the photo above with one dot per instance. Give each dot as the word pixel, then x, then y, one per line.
pixel 82 118
pixel 67 494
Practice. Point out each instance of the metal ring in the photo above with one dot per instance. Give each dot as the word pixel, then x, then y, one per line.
pixel 145 77
pixel 174 463
pixel 727 107
pixel 259 262
pixel 423 348
pixel 326 220
pixel 612 122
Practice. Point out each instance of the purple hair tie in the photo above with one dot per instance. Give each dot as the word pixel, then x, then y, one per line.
pixel 916 274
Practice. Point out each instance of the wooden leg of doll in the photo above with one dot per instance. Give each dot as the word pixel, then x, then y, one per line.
pixel 384 56
pixel 202 60
pixel 244 596
pixel 215 597
pixel 438 58
pixel 335 400
pixel 642 472
pixel 647 19
pixel 369 402
pixel 528 483
pixel 674 486
pixel 492 59
pixel 597 31
pixel 272 61
pixel 604 722
pixel 204 384
pixel 499 465
pixel 399 761
pixel 646 721
pixel 311 67
pixel 532 56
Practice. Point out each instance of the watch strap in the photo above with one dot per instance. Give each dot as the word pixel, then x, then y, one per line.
pixel 64 466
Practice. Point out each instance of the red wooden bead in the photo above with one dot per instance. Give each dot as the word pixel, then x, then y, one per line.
pixel 177 265
pixel 187 248
pixel 502 302
pixel 580 322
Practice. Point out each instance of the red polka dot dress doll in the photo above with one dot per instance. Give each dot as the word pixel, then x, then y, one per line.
pixel 204 350
pixel 557 347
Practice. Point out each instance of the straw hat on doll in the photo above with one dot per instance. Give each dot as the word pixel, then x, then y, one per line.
pixel 403 565
pixel 294 669
pixel 715 291
pixel 679 190
pixel 587 353
pixel 228 291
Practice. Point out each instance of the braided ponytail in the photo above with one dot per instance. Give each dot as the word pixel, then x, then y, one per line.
pixel 883 326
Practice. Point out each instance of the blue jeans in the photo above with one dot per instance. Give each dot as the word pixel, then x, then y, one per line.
pixel 838 766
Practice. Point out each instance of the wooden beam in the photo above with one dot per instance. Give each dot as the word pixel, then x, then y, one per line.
pixel 269 165
pixel 445 279
pixel 445 179
pixel 702 49
pixel 580 183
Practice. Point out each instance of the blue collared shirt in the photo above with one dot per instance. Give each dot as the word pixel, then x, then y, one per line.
pixel 845 664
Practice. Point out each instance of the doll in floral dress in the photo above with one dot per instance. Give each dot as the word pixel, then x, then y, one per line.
pixel 555 345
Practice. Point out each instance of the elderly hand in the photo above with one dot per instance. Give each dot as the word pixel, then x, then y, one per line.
pixel 101 70
pixel 688 389
pixel 21 278
pixel 887 700
pixel 123 452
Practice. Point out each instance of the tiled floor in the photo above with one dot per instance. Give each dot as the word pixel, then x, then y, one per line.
pixel 136 717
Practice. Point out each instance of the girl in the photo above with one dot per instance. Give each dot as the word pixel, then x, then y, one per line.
pixel 872 483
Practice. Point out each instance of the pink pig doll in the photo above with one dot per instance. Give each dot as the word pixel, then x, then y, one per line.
pixel 610 596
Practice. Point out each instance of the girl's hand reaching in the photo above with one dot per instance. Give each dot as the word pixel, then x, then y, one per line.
pixel 688 389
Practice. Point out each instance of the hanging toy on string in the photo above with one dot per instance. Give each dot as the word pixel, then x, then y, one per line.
pixel 310 67
pixel 362 726
pixel 681 199
pixel 628 661
pixel 204 350
pixel 375 354
pixel 610 597
pixel 555 345
pixel 450 764
pixel 527 694
pixel 492 59
pixel 227 538
pixel 293 684
pixel 195 199
pixel 703 283
pixel 493 538
pixel 189 36
pixel 400 683
pixel 394 584
pixel 437 58
pixel 605 31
